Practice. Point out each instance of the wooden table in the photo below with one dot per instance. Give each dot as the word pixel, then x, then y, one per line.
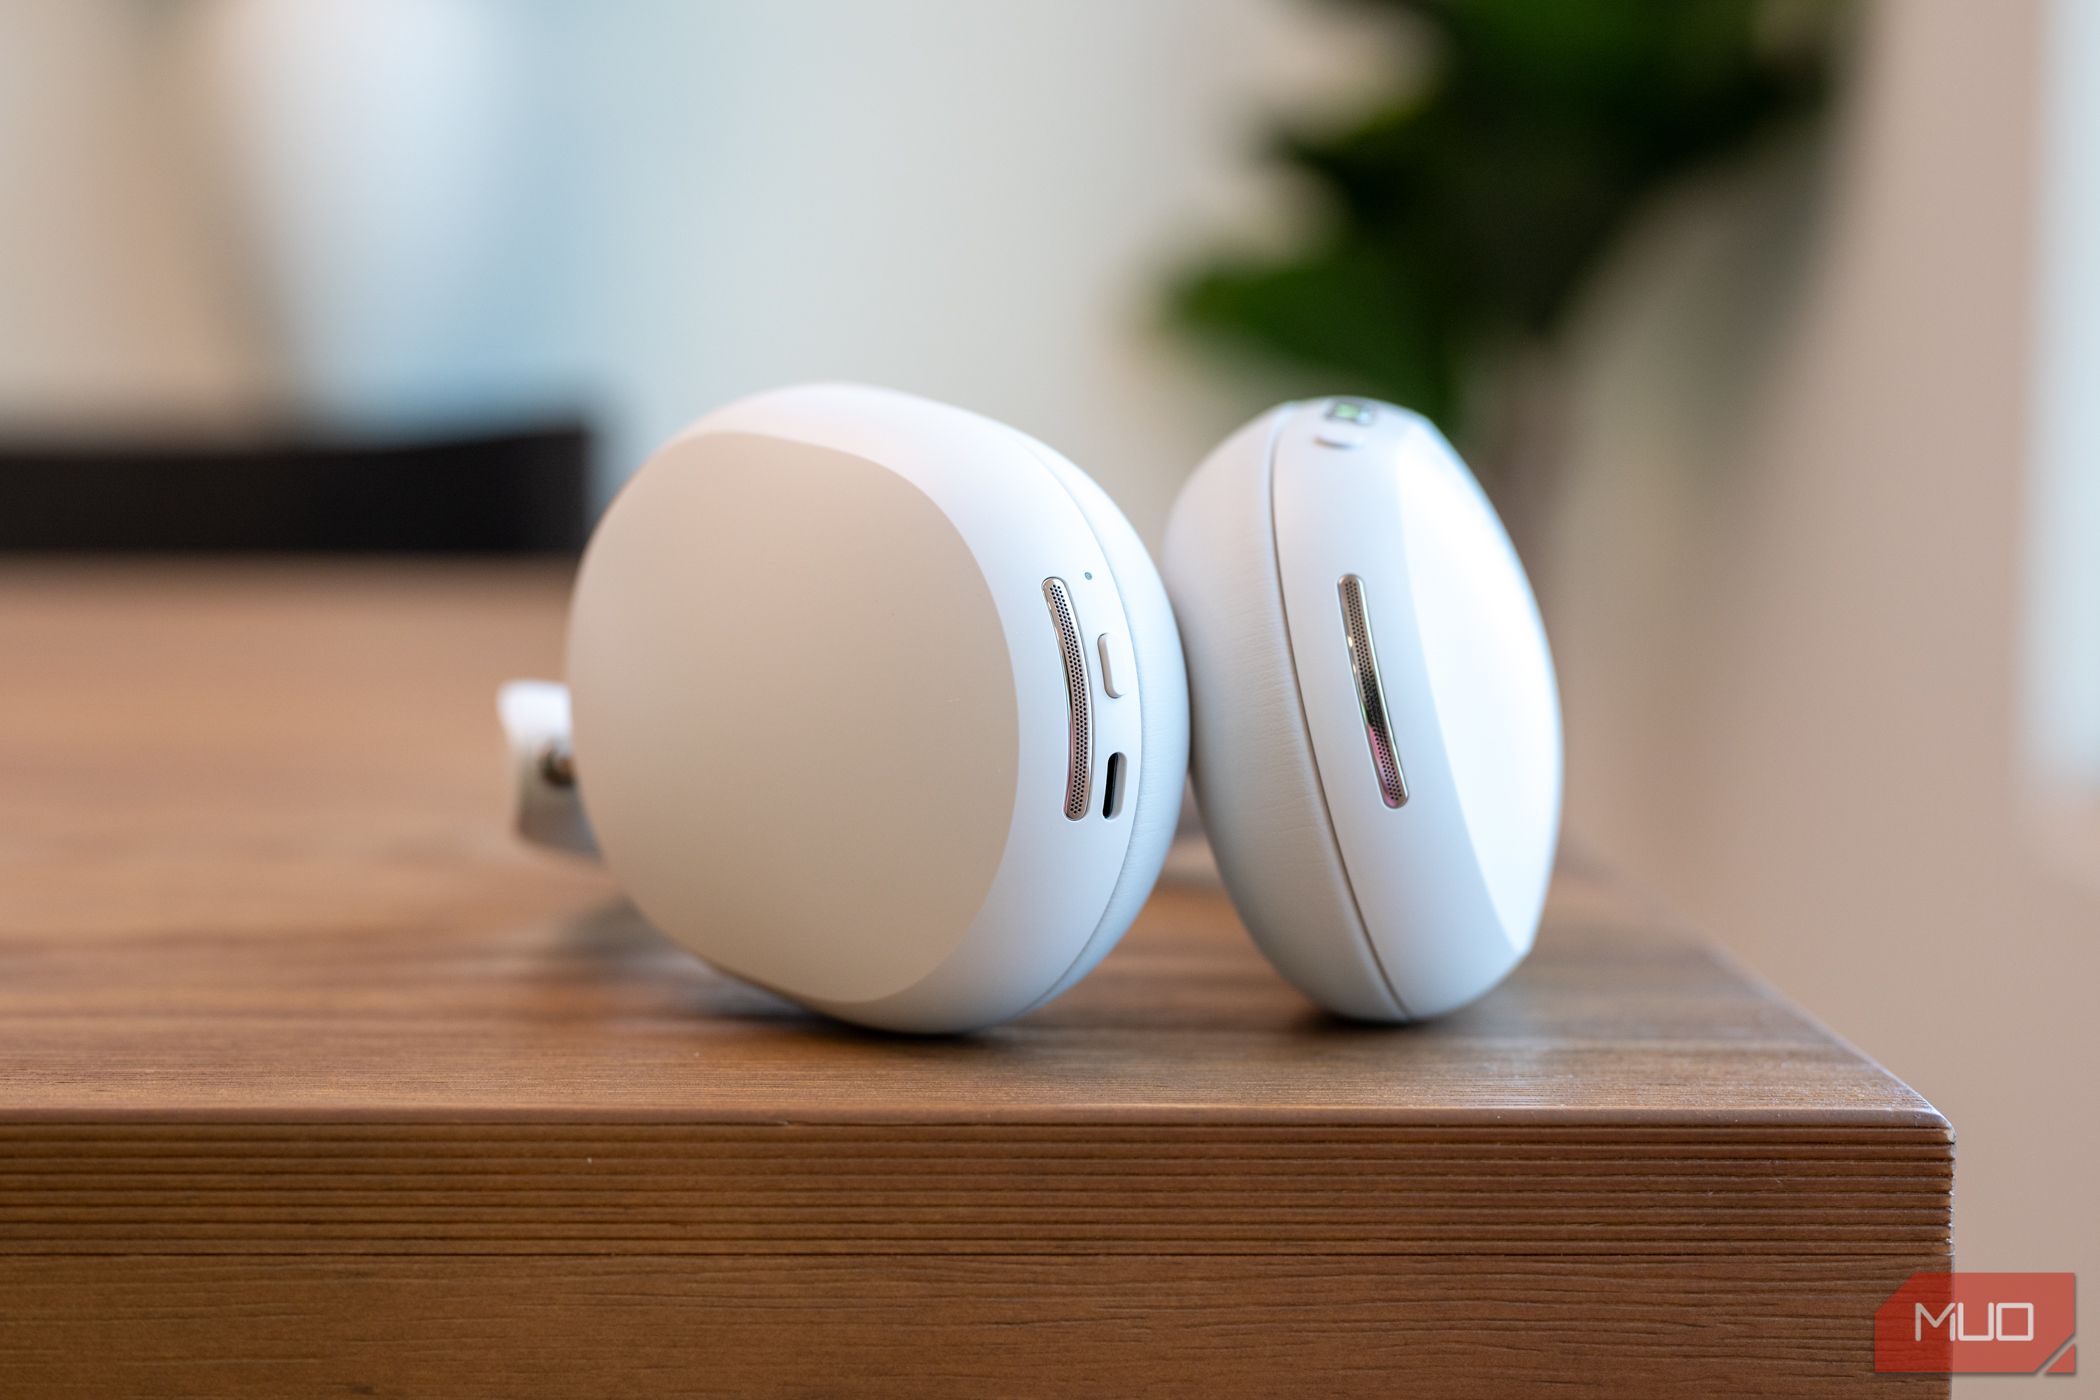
pixel 314 1083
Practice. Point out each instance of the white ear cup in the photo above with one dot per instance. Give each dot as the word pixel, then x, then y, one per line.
pixel 841 719
pixel 1256 782
pixel 1153 795
pixel 1376 730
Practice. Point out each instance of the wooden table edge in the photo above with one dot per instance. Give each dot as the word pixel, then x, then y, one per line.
pixel 1925 1119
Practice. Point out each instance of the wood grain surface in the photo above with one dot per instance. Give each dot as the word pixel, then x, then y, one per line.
pixel 313 1082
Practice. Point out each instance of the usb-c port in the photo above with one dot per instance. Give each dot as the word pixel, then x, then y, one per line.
pixel 1112 787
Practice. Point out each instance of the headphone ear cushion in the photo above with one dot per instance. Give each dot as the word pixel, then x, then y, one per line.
pixel 1251 756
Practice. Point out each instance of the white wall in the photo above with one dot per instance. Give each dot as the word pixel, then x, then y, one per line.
pixel 111 302
pixel 1789 603
pixel 976 202
pixel 2063 518
pixel 236 205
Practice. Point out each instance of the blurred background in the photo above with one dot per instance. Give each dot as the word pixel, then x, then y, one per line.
pixel 1773 327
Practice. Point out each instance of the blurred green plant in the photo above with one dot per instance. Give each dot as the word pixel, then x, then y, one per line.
pixel 1473 206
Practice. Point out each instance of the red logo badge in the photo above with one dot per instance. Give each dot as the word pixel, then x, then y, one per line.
pixel 1976 1323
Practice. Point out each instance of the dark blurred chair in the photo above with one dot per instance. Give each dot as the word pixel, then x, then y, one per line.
pixel 515 492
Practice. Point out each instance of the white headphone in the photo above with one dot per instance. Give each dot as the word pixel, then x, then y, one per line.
pixel 880 704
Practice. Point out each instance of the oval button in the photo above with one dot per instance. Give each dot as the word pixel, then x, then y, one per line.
pixel 1117 669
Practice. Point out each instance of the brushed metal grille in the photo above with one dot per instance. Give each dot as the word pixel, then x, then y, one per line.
pixel 1370 693
pixel 1078 706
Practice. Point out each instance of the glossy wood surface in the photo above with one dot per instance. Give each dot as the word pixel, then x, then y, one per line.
pixel 313 1080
